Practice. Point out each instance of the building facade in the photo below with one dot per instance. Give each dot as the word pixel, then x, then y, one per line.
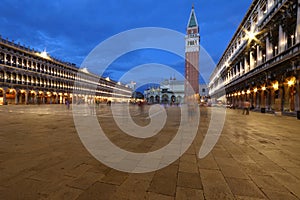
pixel 31 77
pixel 262 61
pixel 171 91
pixel 192 48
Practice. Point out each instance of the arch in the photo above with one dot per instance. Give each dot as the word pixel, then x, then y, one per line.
pixel 28 80
pixel 14 60
pixel 157 99
pixel 2 98
pixel 2 76
pixel 48 97
pixel 173 99
pixel 2 57
pixel 24 78
pixel 40 97
pixel 38 67
pixel 165 99
pixel 18 79
pixel 179 99
pixel 24 64
pixel 8 77
pixel 33 81
pixel 41 82
pixel 13 77
pixel 151 100
pixel 11 96
pixel 8 59
pixel 21 97
pixel 34 66
pixel 19 63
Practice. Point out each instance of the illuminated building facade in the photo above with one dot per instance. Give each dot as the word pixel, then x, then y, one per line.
pixel 171 91
pixel 262 61
pixel 31 77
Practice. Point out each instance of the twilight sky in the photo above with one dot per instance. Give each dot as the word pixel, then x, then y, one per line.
pixel 70 30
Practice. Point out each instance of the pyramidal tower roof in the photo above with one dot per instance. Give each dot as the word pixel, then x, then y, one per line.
pixel 193 19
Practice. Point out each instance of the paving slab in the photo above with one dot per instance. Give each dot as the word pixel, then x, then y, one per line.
pixel 189 193
pixel 98 191
pixel 164 181
pixel 244 187
pixel 189 180
pixel 276 195
pixel 214 185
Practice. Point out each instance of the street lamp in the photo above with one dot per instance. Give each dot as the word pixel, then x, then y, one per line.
pixel 291 82
pixel 275 85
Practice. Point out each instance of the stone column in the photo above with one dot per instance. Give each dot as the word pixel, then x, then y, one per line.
pixel 252 63
pixel 281 40
pixel 56 98
pixel 258 55
pixel 35 98
pixel 21 98
pixel 263 100
pixel 241 68
pixel 11 58
pixel 16 97
pixel 297 95
pixel 4 96
pixel 281 97
pixel 270 4
pixel 254 99
pixel 5 58
pixel 258 102
pixel 22 63
pixel 26 97
pixel 298 24
pixel 269 49
pixel 270 99
pixel 246 69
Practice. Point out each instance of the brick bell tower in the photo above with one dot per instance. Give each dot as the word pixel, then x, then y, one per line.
pixel 192 48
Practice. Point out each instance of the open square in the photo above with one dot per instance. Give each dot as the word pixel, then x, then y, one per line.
pixel 42 157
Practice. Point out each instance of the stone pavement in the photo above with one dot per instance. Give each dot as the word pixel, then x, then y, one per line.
pixel 42 157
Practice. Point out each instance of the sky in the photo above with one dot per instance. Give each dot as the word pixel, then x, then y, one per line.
pixel 71 30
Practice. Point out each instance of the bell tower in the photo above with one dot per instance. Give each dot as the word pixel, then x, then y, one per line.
pixel 192 48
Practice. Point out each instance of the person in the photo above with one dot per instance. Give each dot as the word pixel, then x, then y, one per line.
pixel 246 107
pixel 141 105
pixel 68 104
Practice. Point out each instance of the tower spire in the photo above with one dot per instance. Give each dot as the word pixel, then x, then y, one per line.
pixel 193 19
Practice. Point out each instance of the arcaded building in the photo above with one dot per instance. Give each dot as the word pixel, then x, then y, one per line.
pixel 31 77
pixel 262 61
